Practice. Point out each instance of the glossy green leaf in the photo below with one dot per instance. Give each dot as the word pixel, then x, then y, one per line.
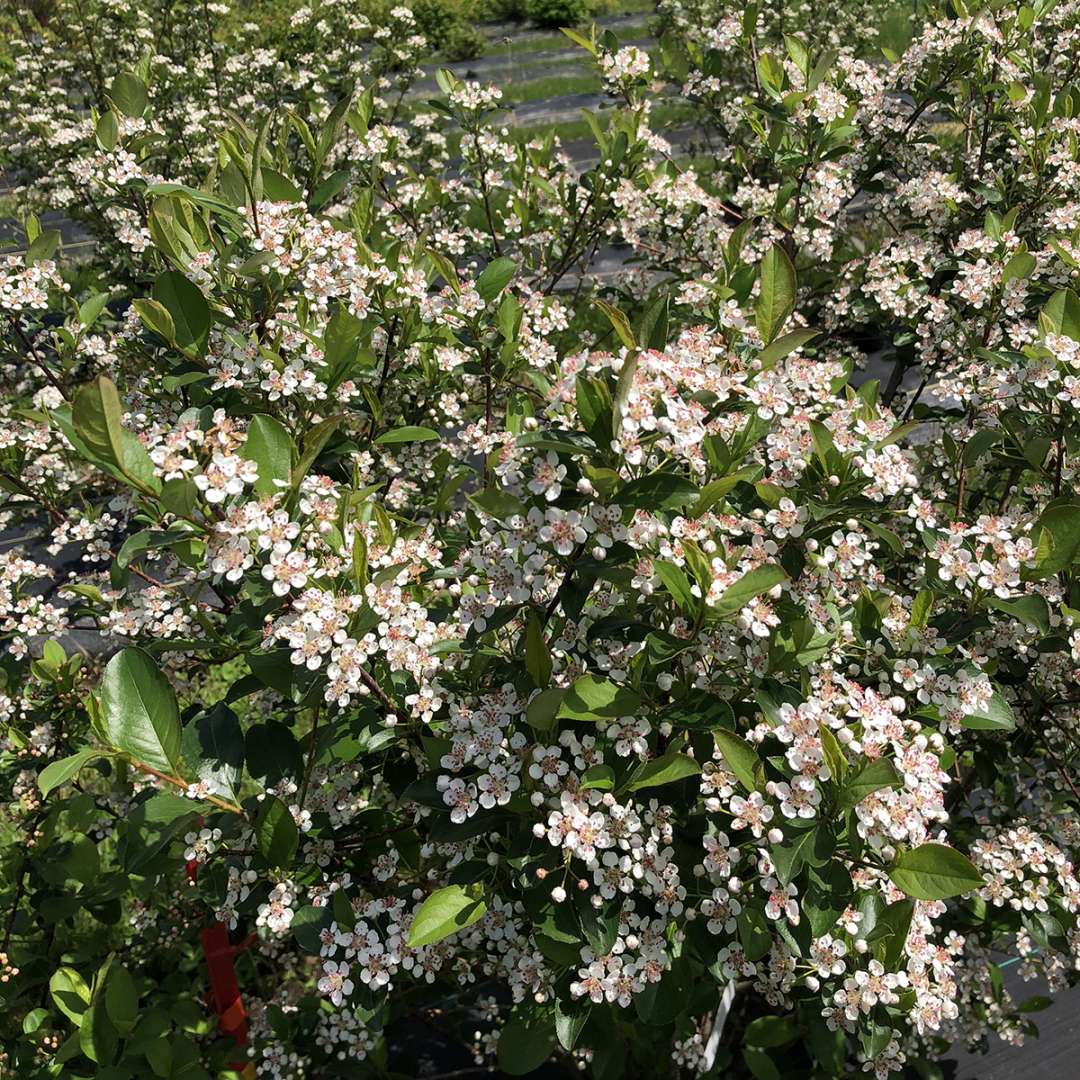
pixel 667 769
pixel 934 872
pixel 873 776
pixel 69 992
pixel 759 580
pixel 128 93
pixel 186 305
pixel 275 832
pixel 739 756
pixel 593 698
pixel 525 1047
pixel 270 447
pixel 445 912
pixel 495 277
pixel 409 433
pixel 537 655
pixel 60 772
pixel 139 714
pixel 776 297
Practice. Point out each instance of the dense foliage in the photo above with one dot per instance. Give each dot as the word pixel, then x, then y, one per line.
pixel 406 616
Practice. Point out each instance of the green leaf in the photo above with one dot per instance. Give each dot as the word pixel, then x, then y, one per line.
pixel 1030 610
pixel 771 1031
pixel 525 1047
pixel 495 277
pixel 593 698
pixel 156 318
pixel 739 756
pixel 498 504
pixel 542 710
pixel 314 443
pixel 790 858
pixel 60 772
pixel 755 934
pixel 275 832
pixel 96 416
pixel 270 447
pixel 569 1023
pixel 152 824
pixel 70 993
pixel 873 776
pixel 934 872
pixel 147 540
pixel 445 912
pixel 91 309
pixel 1059 539
pixel 998 716
pixel 892 929
pixel 537 656
pixel 410 433
pixel 715 490
pixel 1021 265
pixel 139 714
pixel 658 491
pixel 921 608
pixel 121 999
pixel 128 94
pixel 213 750
pixel 776 299
pixel 737 595
pixel 307 926
pixel 783 346
pixel 98 1039
pixel 653 328
pixel 676 583
pixel 665 770
pixel 43 247
pixel 340 341
pixel 187 306
pixel 619 323
pixel 600 777
pixel 761 1066
pixel 1062 314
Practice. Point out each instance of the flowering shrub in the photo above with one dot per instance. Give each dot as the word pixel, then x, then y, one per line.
pixel 417 617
